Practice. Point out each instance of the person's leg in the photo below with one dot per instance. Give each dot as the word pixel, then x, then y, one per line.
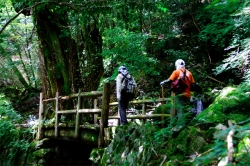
pixel 123 105
pixel 181 102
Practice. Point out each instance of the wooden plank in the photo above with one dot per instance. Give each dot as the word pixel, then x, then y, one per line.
pixel 51 99
pixel 40 130
pixel 56 116
pixel 81 111
pixel 152 116
pixel 67 112
pixel 147 101
pixel 90 111
pixel 88 94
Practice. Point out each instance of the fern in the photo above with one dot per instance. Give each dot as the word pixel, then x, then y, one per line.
pixel 14 140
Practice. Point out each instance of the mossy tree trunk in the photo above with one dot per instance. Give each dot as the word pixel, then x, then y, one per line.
pixel 66 63
pixel 59 52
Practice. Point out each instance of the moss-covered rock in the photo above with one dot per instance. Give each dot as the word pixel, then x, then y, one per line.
pixel 231 104
pixel 43 153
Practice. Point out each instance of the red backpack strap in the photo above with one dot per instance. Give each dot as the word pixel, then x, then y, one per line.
pixel 185 75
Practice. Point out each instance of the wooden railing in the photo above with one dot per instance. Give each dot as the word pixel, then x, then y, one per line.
pixel 104 111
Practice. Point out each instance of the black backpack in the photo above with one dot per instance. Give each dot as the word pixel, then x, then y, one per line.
pixel 128 86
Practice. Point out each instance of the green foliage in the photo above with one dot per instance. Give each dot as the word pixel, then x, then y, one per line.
pixel 219 151
pixel 232 102
pixel 132 145
pixel 122 47
pixel 238 47
pixel 14 139
pixel 221 25
pixel 19 60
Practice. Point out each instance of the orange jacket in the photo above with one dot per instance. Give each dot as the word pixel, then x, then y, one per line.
pixel 188 79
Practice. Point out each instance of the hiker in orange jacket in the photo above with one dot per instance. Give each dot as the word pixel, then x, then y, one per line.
pixel 183 98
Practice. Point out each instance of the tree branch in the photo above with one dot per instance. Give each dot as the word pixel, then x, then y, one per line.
pixel 13 18
pixel 40 3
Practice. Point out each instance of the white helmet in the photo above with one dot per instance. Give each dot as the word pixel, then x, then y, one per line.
pixel 123 70
pixel 179 64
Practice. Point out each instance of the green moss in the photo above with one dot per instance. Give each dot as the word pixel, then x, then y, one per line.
pixel 213 114
pixel 96 154
pixel 42 153
pixel 182 141
pixel 171 146
pixel 165 108
pixel 231 104
pixel 237 117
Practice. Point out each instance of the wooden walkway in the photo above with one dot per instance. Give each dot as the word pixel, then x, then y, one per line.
pixel 99 130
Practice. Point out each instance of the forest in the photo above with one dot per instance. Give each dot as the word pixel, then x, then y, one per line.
pixel 49 46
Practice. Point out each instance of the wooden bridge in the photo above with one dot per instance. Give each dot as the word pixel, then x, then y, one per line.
pixel 97 133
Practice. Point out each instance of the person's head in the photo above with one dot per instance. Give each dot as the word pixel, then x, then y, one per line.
pixel 179 64
pixel 123 70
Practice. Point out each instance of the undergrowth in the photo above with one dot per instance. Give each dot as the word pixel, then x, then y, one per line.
pixel 14 139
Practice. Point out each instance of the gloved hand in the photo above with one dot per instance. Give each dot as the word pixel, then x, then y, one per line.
pixel 164 82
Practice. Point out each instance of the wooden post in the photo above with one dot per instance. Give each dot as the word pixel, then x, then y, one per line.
pixel 56 115
pixel 104 114
pixel 173 111
pixel 230 145
pixel 107 136
pixel 40 130
pixel 77 126
pixel 162 110
pixel 95 115
pixel 144 110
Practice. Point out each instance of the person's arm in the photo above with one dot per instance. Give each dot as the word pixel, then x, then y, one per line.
pixel 165 81
pixel 118 86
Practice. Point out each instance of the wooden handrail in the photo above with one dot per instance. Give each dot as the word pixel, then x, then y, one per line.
pixel 104 111
pixel 146 101
pixel 83 111
pixel 151 116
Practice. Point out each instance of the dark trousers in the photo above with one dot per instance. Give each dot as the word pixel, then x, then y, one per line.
pixel 123 106
pixel 181 103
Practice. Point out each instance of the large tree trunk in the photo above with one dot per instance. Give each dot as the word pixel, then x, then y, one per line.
pixel 59 51
pixel 66 66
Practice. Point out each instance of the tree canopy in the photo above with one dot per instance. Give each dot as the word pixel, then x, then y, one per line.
pixel 61 46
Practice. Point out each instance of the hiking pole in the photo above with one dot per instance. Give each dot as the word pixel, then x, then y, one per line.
pixel 162 113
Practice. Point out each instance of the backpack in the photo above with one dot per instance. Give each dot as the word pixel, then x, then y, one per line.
pixel 179 85
pixel 128 87
pixel 198 105
pixel 196 88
